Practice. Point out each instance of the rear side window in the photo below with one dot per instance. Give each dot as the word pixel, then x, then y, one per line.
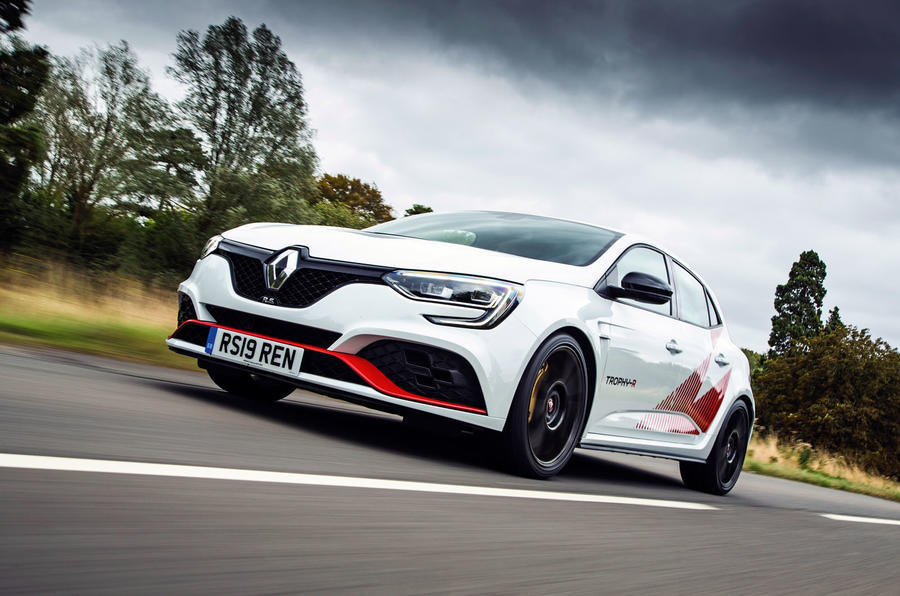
pixel 644 260
pixel 692 300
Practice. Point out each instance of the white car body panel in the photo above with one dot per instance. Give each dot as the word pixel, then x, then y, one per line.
pixel 621 341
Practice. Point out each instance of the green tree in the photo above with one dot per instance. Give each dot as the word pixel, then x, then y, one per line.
pixel 23 72
pixel 11 13
pixel 834 321
pixel 841 394
pixel 162 160
pixel 244 99
pixel 360 197
pixel 798 304
pixel 417 208
pixel 88 115
pixel 754 359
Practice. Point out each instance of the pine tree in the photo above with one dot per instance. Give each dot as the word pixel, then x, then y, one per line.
pixel 798 304
pixel 834 321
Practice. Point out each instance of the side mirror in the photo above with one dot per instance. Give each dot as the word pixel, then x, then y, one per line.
pixel 641 287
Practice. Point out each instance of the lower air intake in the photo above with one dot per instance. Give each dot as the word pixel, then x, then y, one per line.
pixel 426 370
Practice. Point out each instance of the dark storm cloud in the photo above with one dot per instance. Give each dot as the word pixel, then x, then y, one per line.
pixel 841 55
pixel 806 83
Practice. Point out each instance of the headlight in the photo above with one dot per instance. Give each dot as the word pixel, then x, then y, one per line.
pixel 210 247
pixel 496 298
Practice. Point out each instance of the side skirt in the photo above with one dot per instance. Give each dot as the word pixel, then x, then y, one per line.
pixel 647 453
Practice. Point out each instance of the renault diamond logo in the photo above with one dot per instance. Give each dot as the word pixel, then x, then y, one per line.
pixel 281 268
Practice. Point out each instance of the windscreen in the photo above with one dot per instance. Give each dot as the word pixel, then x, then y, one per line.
pixel 529 236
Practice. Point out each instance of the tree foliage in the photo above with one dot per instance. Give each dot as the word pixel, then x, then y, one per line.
pixel 834 321
pixel 417 209
pixel 244 99
pixel 23 72
pixel 798 304
pixel 361 198
pixel 841 394
pixel 90 109
pixel 123 179
pixel 11 13
pixel 244 96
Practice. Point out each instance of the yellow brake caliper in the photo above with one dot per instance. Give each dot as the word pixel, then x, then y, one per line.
pixel 534 389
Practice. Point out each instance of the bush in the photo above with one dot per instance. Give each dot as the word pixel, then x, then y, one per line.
pixel 840 392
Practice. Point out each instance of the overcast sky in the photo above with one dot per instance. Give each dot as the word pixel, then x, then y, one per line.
pixel 737 134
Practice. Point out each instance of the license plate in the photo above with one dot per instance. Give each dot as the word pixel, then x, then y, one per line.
pixel 271 356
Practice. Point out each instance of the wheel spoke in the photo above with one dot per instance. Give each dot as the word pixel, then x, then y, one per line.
pixel 723 468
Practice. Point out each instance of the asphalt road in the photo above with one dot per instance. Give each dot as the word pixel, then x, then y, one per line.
pixel 139 531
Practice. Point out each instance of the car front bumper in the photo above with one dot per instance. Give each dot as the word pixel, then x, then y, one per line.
pixel 359 315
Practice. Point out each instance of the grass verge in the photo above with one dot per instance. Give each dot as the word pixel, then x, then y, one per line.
pixel 132 342
pixel 819 479
pixel 57 306
pixel 770 457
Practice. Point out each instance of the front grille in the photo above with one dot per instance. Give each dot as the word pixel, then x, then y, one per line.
pixel 274 328
pixel 426 370
pixel 248 276
pixel 313 279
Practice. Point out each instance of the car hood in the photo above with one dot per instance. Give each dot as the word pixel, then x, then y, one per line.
pixel 401 252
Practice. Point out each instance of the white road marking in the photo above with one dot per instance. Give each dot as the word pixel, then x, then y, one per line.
pixel 69 464
pixel 862 520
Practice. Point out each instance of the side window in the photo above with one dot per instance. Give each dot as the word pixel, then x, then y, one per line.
pixel 691 297
pixel 714 318
pixel 645 260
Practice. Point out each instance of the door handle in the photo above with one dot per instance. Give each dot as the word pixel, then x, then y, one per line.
pixel 721 360
pixel 672 346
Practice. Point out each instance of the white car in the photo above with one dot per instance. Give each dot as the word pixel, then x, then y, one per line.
pixel 554 334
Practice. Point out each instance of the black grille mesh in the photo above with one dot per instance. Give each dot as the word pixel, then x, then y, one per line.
pixel 249 277
pixel 304 287
pixel 316 363
pixel 301 334
pixel 425 370
pixel 186 310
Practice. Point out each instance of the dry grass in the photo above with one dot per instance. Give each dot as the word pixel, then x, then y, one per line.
pixel 61 290
pixel 51 304
pixel 798 461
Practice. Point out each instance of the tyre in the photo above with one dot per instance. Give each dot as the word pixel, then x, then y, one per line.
pixel 720 472
pixel 548 410
pixel 255 387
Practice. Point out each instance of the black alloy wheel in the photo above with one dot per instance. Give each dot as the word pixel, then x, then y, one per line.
pixel 548 411
pixel 244 384
pixel 721 471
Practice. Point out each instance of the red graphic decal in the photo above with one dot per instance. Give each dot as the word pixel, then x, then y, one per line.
pixel 681 399
pixel 668 423
pixel 704 409
pixel 684 400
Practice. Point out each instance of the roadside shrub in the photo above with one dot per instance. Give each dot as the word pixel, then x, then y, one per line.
pixel 840 393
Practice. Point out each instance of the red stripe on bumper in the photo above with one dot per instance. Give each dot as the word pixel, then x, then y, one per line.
pixel 365 369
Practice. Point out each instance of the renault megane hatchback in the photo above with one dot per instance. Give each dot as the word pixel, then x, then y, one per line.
pixel 554 334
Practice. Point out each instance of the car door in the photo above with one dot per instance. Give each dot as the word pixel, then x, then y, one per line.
pixel 701 328
pixel 647 351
